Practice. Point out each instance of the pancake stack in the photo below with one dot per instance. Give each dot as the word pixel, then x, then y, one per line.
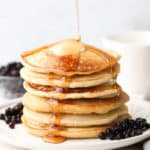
pixel 71 91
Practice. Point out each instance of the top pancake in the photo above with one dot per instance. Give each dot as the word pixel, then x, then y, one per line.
pixel 68 57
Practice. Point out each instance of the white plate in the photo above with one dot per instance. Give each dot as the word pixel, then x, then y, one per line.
pixel 20 138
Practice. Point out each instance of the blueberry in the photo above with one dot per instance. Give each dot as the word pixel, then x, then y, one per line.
pixel 127 128
pixel 13 118
pixel 138 132
pixel 19 65
pixel 12 125
pixel 102 136
pixel 8 111
pixel 125 134
pixel 144 128
pixel 109 132
pixel 2 117
pixel 117 137
pixel 12 115
pixel 20 105
pixel 14 73
pixel 7 119
pixel 131 123
pixel 132 133
pixel 119 127
pixel 147 125
pixel 11 69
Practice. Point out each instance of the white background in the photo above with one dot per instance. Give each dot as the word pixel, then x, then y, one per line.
pixel 27 24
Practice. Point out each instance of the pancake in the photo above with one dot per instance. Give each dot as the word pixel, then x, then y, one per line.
pixel 76 106
pixel 68 57
pixel 71 82
pixel 68 132
pixel 71 120
pixel 103 91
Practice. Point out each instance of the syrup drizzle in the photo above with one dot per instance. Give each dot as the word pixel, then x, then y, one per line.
pixel 54 139
pixel 78 20
pixel 55 128
pixel 54 132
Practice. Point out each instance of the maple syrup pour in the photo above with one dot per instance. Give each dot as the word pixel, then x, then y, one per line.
pixel 55 128
pixel 54 139
pixel 78 20
pixel 61 91
pixel 57 101
pixel 51 137
pixel 67 80
pixel 53 134
pixel 56 106
pixel 56 118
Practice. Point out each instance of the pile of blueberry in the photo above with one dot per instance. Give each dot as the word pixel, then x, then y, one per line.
pixel 11 69
pixel 12 115
pixel 125 129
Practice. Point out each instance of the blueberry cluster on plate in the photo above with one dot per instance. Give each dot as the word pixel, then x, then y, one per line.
pixel 12 115
pixel 11 69
pixel 125 129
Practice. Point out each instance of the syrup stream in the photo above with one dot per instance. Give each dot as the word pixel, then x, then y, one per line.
pixel 78 20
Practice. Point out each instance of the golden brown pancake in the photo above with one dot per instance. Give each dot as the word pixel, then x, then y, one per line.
pixel 67 57
pixel 68 132
pixel 76 106
pixel 75 81
pixel 104 91
pixel 71 120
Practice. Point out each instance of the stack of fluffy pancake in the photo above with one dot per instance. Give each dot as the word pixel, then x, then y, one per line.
pixel 71 91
